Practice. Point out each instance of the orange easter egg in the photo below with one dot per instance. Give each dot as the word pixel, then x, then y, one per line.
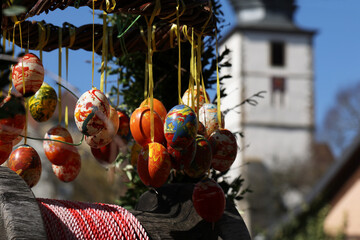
pixel 159 108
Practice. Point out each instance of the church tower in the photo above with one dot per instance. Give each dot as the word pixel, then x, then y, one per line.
pixel 269 52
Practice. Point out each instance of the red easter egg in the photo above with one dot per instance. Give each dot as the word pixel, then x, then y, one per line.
pixel 202 160
pixel 18 139
pixel 31 68
pixel 70 170
pixel 5 150
pixel 134 154
pixel 124 124
pixel 91 112
pixel 159 108
pixel 107 154
pixel 25 161
pixel 12 119
pixel 140 126
pixel 106 135
pixel 181 159
pixel 154 165
pixel 58 153
pixel 209 200
pixel 224 149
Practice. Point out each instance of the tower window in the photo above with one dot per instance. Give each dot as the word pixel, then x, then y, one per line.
pixel 277 90
pixel 277 54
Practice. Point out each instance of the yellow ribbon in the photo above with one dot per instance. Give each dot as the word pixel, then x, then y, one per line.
pixel 179 52
pixel 93 44
pixel 103 56
pixel 26 120
pixel 108 8
pixel 66 117
pixel 217 81
pixel 59 78
pixel 42 35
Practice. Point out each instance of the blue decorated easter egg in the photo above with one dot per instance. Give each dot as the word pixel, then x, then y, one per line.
pixel 180 127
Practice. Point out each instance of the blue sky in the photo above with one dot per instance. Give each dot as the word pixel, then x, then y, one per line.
pixel 337 48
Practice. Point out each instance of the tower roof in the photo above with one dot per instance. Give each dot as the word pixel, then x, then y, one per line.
pixel 265 14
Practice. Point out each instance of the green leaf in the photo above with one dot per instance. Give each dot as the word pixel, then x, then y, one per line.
pixel 14 10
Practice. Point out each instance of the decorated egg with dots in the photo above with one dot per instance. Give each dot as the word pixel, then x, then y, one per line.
pixel 30 71
pixel 202 160
pixel 154 165
pixel 5 150
pixel 140 126
pixel 224 148
pixel 70 170
pixel 134 154
pixel 182 159
pixel 12 119
pixel 124 124
pixel 25 161
pixel 209 200
pixel 107 154
pixel 180 127
pixel 106 135
pixel 91 112
pixel 42 105
pixel 159 108
pixel 58 152
pixel 187 98
pixel 208 115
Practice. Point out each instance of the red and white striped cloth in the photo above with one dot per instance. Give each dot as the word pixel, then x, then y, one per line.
pixel 78 220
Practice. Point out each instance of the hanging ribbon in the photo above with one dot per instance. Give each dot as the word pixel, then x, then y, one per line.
pixel 179 51
pixel 59 78
pixel 156 10
pixel 103 56
pixel 192 70
pixel 217 81
pixel 93 44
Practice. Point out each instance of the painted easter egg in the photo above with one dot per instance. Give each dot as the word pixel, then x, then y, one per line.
pixel 134 154
pixel 180 127
pixel 42 105
pixel 209 200
pixel 107 154
pixel 12 120
pixel 18 139
pixel 124 124
pixel 154 165
pixel 25 161
pixel 91 112
pixel 140 126
pixel 202 160
pixel 106 135
pixel 159 108
pixel 187 98
pixel 182 159
pixel 208 116
pixel 70 170
pixel 224 148
pixel 5 150
pixel 31 68
pixel 58 152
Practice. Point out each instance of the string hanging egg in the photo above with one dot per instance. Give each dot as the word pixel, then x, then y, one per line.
pixel 106 135
pixel 140 126
pixel 29 70
pixel 58 152
pixel 224 148
pixel 25 161
pixel 154 165
pixel 12 121
pixel 209 200
pixel 70 170
pixel 180 127
pixel 43 104
pixel 91 112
